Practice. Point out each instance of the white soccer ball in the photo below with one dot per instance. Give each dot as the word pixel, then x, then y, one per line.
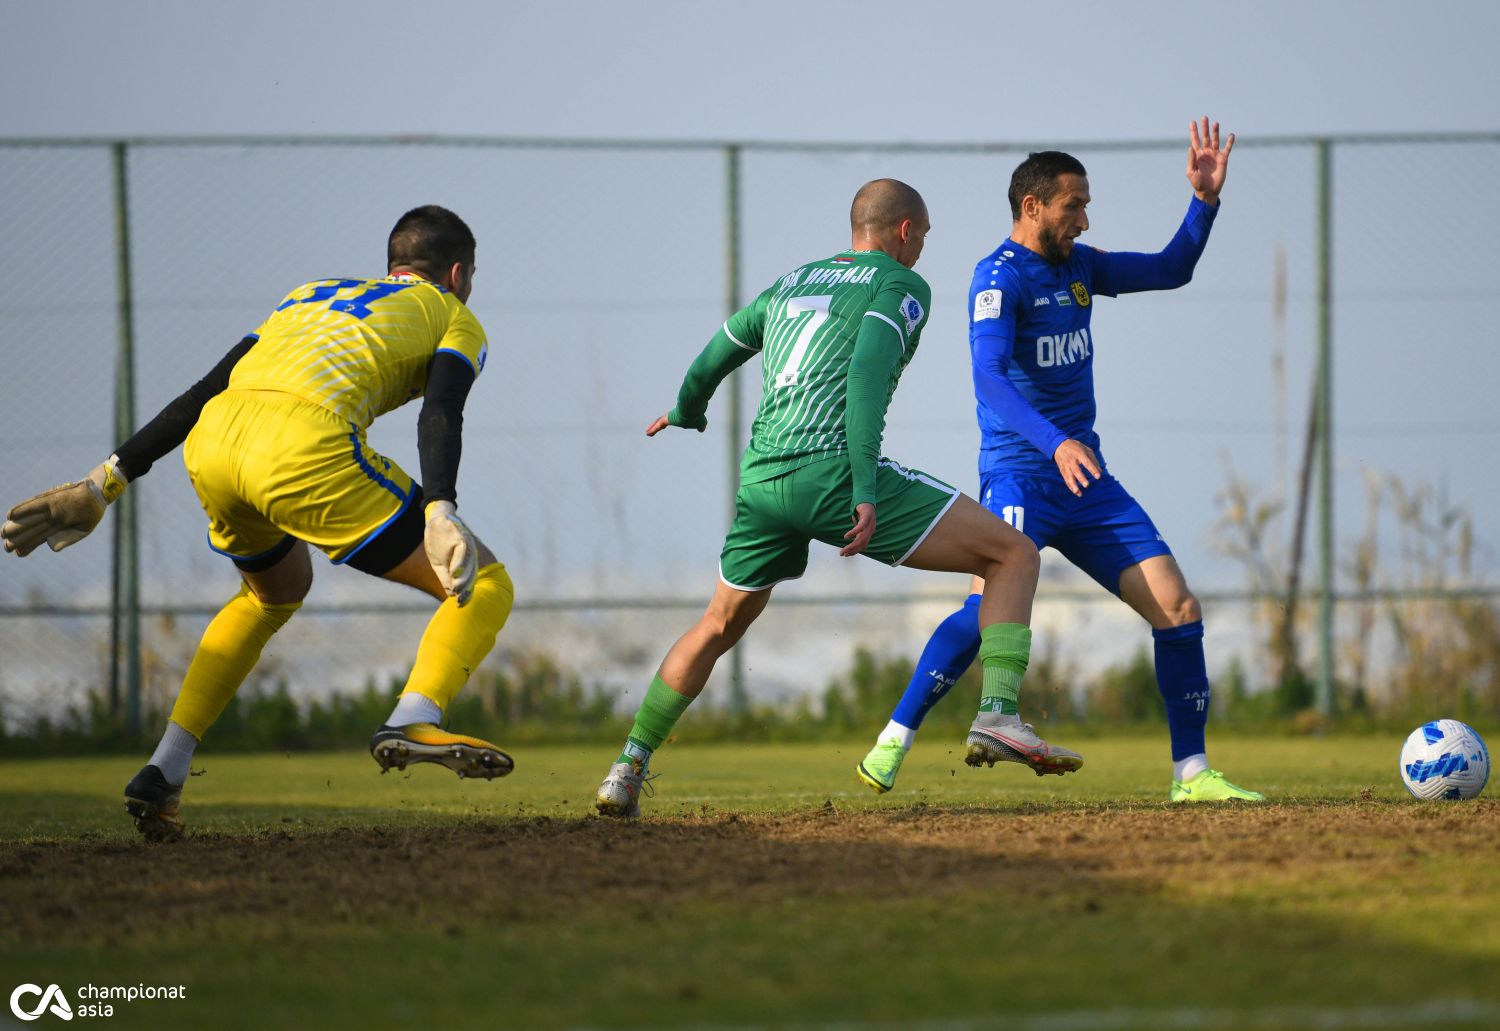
pixel 1444 759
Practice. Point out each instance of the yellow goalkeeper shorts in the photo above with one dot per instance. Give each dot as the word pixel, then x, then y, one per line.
pixel 267 464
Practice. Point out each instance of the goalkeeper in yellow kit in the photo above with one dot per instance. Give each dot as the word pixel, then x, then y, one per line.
pixel 274 442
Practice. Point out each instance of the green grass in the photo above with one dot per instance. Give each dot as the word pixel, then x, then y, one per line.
pixel 765 887
pixel 62 798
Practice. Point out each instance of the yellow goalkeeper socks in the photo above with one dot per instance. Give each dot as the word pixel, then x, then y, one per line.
pixel 458 639
pixel 229 650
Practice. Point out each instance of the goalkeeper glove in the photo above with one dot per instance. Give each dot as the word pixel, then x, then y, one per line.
pixel 451 549
pixel 63 515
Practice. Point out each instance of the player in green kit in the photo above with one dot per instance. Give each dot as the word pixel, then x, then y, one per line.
pixel 834 336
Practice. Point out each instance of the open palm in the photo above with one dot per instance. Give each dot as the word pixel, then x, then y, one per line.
pixel 1208 163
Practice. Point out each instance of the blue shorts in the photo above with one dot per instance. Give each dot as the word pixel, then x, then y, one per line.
pixel 1103 533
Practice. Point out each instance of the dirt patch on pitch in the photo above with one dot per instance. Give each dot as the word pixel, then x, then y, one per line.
pixel 545 868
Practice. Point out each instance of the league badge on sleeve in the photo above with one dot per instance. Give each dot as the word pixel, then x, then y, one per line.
pixel 987 305
pixel 912 312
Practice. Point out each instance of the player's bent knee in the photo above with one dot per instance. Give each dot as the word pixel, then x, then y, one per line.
pixel 289 592
pixel 718 630
pixel 721 628
pixel 494 593
pixel 1014 553
pixel 272 613
pixel 1024 555
pixel 286 582
pixel 1186 610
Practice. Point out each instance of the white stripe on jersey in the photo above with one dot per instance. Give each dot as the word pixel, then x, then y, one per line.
pixel 899 331
pixel 737 340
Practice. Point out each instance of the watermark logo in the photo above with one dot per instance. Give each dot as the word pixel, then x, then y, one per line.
pixel 53 996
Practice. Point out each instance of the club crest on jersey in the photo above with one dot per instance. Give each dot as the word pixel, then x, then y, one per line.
pixel 987 304
pixel 1080 293
pixel 911 312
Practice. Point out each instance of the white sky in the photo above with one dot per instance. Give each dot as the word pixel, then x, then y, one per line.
pixel 769 70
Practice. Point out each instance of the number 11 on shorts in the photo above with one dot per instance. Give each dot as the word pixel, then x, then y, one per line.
pixel 1015 515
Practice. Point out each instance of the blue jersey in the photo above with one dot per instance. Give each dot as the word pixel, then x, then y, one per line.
pixel 1032 346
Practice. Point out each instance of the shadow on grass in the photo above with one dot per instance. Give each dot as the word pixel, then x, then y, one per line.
pixel 827 914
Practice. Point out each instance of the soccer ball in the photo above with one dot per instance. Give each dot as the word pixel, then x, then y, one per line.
pixel 1444 759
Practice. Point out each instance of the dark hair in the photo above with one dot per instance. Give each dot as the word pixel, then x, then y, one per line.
pixel 1037 176
pixel 429 240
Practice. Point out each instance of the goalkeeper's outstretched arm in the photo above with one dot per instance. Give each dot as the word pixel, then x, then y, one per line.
pixel 66 514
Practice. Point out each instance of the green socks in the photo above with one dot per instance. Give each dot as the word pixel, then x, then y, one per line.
pixel 654 720
pixel 1004 649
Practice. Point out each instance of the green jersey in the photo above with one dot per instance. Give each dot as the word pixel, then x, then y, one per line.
pixel 834 337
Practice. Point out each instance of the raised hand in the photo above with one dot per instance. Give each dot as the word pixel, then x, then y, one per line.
pixel 1207 163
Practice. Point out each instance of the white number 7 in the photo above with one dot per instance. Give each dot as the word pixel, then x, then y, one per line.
pixel 795 306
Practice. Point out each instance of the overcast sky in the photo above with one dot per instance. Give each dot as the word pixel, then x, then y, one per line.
pixel 875 70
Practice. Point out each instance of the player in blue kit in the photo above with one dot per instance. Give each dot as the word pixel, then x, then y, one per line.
pixel 1040 468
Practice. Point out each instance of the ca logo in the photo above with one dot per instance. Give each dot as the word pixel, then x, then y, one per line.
pixel 53 995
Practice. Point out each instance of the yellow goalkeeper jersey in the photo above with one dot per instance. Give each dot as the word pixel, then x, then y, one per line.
pixel 359 347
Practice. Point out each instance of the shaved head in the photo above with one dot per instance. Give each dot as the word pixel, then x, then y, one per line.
pixel 883 204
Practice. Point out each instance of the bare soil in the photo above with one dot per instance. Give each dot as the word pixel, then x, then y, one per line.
pixel 538 869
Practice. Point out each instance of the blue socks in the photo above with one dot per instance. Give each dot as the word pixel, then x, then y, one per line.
pixel 950 650
pixel 1182 678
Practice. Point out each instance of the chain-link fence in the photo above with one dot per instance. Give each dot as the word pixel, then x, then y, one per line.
pixel 602 269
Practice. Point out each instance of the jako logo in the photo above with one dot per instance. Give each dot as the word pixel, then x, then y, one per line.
pixel 53 994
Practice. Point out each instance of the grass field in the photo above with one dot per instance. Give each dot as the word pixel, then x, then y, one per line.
pixel 764 887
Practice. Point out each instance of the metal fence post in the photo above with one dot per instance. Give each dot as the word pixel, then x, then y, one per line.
pixel 738 698
pixel 1325 700
pixel 125 585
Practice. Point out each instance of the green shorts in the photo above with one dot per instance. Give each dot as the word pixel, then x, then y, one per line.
pixel 775 519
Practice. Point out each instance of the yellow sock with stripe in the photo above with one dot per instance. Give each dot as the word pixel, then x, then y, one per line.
pixel 230 648
pixel 458 639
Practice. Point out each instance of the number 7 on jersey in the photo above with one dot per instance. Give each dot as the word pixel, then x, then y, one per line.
pixel 817 307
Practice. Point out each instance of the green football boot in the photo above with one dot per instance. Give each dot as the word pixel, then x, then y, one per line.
pixel 880 767
pixel 1210 786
